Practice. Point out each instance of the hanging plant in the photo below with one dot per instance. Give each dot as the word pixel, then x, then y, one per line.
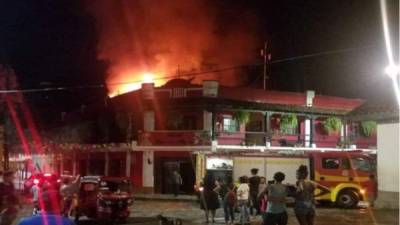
pixel 368 127
pixel 332 125
pixel 242 117
pixel 288 123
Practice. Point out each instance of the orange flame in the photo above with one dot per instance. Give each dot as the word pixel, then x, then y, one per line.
pixel 117 87
pixel 176 37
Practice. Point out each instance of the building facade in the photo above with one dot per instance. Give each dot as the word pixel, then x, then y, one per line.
pixel 193 128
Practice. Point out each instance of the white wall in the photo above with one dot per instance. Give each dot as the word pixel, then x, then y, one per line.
pixel 267 167
pixel 149 121
pixel 388 157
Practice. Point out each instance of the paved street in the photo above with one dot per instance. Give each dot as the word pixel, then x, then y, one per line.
pixel 144 212
pixel 191 214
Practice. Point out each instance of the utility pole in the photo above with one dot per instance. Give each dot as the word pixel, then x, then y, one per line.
pixel 267 57
pixel 4 75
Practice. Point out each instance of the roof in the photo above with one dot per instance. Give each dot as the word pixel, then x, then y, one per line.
pixel 380 113
pixel 293 99
pixel 246 98
pixel 179 83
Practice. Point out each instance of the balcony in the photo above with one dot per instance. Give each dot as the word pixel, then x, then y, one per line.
pixel 174 138
pixel 292 140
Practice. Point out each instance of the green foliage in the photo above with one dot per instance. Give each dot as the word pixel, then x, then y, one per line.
pixel 332 125
pixel 242 117
pixel 288 123
pixel 368 127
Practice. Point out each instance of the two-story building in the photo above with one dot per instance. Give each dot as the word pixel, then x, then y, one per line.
pixel 194 128
pixel 182 126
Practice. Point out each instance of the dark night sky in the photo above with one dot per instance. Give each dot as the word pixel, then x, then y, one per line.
pixel 55 41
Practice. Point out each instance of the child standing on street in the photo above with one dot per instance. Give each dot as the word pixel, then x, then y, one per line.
pixel 230 204
pixel 243 193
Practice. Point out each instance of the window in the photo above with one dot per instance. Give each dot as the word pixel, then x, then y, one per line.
pixel 362 164
pixel 230 125
pixel 346 163
pixel 188 123
pixel 174 121
pixel 330 163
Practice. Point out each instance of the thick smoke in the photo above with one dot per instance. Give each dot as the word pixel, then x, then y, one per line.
pixel 171 37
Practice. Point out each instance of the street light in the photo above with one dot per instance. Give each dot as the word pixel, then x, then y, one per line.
pixel 392 71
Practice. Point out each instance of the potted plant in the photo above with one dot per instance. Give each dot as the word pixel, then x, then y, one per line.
pixel 288 123
pixel 332 125
pixel 368 128
pixel 242 117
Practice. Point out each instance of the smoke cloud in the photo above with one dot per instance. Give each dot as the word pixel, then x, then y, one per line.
pixel 171 37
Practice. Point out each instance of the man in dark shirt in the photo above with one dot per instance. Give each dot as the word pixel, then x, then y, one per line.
pixel 254 183
pixel 8 199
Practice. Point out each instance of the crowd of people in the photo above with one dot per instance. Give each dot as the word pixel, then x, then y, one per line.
pixel 50 205
pixel 254 196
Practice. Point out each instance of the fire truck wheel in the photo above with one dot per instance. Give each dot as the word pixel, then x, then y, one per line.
pixel 347 199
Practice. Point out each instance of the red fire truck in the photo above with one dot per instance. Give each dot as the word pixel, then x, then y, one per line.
pixel 350 175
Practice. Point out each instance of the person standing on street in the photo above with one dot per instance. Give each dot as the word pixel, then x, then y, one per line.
pixel 276 208
pixel 35 197
pixel 209 200
pixel 50 213
pixel 262 195
pixel 230 202
pixel 176 182
pixel 254 184
pixel 8 199
pixel 243 193
pixel 304 206
pixel 69 194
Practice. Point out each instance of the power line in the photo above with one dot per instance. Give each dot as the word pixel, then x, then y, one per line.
pixel 320 54
pixel 192 74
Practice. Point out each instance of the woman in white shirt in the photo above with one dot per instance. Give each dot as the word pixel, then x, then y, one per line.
pixel 243 200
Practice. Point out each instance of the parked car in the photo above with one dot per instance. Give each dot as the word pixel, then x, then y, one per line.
pixel 106 198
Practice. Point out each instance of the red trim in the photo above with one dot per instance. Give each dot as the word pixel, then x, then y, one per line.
pixel 137 169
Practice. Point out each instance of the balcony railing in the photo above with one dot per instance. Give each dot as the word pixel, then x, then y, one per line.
pixel 292 140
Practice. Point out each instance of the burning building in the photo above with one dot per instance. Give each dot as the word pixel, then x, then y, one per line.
pixel 172 39
pixel 148 133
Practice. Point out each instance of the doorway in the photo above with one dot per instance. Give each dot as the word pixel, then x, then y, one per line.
pixel 163 174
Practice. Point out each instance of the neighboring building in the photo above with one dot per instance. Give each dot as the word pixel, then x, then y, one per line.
pixel 388 145
pixel 182 126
